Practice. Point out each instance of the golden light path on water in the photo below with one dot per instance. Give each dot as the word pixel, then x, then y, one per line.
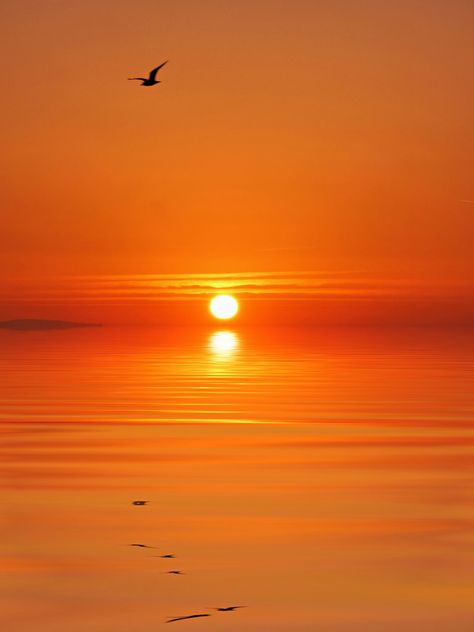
pixel 223 344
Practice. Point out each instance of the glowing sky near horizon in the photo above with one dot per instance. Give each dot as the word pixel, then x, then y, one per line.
pixel 307 136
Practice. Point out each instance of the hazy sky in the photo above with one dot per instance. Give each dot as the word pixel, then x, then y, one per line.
pixel 301 135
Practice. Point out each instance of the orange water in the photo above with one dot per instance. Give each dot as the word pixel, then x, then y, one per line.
pixel 323 478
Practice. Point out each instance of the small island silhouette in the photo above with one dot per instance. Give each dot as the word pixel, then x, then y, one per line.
pixel 31 324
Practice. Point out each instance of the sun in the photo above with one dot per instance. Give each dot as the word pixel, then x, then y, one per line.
pixel 224 306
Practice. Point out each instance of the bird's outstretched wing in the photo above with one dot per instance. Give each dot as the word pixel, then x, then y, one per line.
pixel 190 616
pixel 155 70
pixel 136 79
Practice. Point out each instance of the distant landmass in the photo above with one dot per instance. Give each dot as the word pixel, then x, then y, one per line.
pixel 29 324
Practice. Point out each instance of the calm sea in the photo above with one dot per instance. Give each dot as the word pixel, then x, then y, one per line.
pixel 323 478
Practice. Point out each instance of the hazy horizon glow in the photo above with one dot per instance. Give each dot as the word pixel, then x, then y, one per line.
pixel 265 298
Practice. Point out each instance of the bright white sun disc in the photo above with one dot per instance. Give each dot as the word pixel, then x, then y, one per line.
pixel 224 306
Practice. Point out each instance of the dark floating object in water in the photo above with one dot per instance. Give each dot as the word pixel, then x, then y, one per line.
pixel 190 616
pixel 140 503
pixel 166 557
pixel 151 79
pixel 144 546
pixel 38 324
pixel 228 608
pixel 174 572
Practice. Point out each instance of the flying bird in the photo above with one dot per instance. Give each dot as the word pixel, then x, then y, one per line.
pixel 190 616
pixel 166 557
pixel 151 81
pixel 144 546
pixel 140 503
pixel 174 572
pixel 228 608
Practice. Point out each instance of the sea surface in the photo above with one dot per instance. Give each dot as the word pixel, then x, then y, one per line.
pixel 323 478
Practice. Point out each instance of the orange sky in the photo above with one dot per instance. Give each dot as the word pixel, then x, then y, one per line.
pixel 332 135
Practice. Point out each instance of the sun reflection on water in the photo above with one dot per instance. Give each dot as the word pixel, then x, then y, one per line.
pixel 223 344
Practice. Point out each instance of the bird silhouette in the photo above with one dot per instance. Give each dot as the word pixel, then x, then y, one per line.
pixel 228 608
pixel 144 546
pixel 166 557
pixel 189 616
pixel 174 572
pixel 151 81
pixel 140 503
